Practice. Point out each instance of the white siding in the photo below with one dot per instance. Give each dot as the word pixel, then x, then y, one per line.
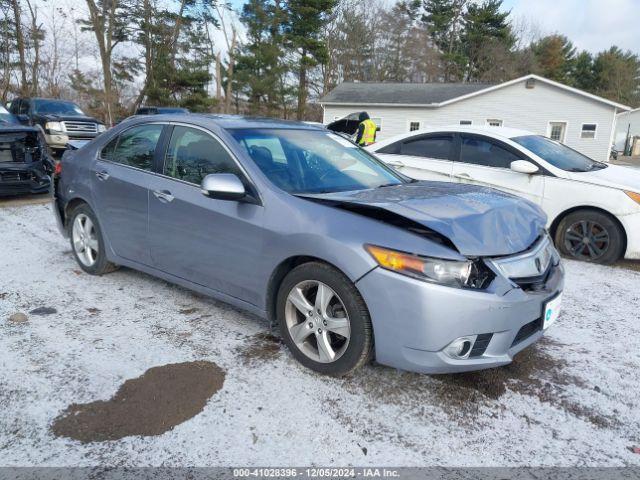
pixel 515 105
pixel 626 120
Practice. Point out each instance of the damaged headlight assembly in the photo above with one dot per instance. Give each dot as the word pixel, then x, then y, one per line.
pixel 452 273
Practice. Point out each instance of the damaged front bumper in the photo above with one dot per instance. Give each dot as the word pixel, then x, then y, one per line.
pixel 415 321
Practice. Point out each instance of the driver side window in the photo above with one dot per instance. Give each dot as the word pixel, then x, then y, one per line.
pixel 194 154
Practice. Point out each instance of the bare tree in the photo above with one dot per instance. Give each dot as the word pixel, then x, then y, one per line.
pixel 20 45
pixel 108 20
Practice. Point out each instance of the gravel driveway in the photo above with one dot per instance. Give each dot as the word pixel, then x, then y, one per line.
pixel 87 342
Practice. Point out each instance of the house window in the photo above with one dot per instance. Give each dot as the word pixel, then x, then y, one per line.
pixel 494 122
pixel 588 130
pixel 413 126
pixel 557 131
pixel 466 122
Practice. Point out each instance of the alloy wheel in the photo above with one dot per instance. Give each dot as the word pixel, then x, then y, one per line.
pixel 85 240
pixel 317 321
pixel 587 240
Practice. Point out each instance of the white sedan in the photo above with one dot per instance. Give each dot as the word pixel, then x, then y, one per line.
pixel 593 207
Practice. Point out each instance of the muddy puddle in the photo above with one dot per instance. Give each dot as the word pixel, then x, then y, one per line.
pixel 151 404
pixel 261 347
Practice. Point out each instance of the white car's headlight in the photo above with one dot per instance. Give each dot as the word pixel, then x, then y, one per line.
pixel 101 128
pixel 452 273
pixel 58 126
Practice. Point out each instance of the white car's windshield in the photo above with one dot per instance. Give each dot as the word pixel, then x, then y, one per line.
pixel 557 154
pixel 310 161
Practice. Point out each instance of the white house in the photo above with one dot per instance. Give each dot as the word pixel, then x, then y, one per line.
pixel 579 119
pixel 628 124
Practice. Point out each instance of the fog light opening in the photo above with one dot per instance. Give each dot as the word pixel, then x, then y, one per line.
pixel 460 348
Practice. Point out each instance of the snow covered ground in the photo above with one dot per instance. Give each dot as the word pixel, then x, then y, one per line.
pixel 570 400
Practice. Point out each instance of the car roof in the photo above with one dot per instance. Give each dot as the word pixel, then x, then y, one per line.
pixel 227 122
pixel 495 132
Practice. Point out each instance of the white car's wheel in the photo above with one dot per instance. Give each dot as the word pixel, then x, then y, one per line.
pixel 590 236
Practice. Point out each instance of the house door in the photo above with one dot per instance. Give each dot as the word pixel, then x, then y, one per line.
pixel 557 131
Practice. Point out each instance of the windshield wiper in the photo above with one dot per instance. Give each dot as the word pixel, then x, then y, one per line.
pixel 384 185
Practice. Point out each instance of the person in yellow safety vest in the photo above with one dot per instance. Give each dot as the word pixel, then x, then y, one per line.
pixel 366 130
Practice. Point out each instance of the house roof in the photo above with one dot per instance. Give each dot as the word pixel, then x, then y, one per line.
pixel 432 94
pixel 399 93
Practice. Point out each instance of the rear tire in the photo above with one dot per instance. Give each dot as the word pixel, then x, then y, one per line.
pixel 319 306
pixel 590 236
pixel 87 242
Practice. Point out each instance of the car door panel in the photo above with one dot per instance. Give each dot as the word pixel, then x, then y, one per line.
pixel 213 243
pixel 483 161
pixel 120 181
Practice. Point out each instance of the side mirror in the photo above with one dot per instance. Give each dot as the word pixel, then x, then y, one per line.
pixel 223 186
pixel 524 166
pixel 23 118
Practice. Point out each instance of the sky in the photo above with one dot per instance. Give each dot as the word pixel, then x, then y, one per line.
pixel 592 25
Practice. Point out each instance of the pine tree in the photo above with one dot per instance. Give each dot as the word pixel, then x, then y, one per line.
pixel 305 19
pixel 443 19
pixel 485 28
pixel 555 57
pixel 260 66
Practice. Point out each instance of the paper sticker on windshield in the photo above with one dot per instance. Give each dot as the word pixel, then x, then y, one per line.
pixel 3 110
pixel 341 140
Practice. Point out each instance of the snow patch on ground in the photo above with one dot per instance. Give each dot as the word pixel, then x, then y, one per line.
pixel 570 400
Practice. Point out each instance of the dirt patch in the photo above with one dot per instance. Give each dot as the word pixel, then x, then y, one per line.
pixel 468 397
pixel 152 404
pixel 628 265
pixel 261 347
pixel 188 311
pixel 41 311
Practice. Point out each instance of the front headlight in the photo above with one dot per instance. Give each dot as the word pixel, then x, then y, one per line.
pixel 633 196
pixel 445 272
pixel 54 126
pixel 101 128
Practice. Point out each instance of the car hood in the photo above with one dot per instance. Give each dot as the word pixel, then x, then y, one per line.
pixel 68 118
pixel 478 221
pixel 615 176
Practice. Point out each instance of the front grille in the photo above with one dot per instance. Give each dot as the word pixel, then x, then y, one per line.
pixel 15 176
pixel 480 345
pixel 80 127
pixel 527 330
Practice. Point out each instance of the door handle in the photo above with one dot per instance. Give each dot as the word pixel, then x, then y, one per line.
pixel 163 195
pixel 395 163
pixel 102 175
pixel 465 175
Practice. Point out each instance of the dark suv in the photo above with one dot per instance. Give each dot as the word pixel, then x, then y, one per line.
pixel 59 120
pixel 25 166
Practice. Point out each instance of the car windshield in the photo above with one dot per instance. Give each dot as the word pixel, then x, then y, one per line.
pixel 56 107
pixel 557 154
pixel 310 161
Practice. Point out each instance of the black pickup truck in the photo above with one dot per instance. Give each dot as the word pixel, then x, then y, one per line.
pixel 59 120
pixel 25 165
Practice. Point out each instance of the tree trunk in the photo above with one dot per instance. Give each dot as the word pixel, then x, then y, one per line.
pixel 228 94
pixel 219 80
pixel 99 21
pixel 35 37
pixel 302 87
pixel 20 44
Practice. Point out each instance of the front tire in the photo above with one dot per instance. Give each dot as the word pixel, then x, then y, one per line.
pixel 590 236
pixel 324 320
pixel 87 242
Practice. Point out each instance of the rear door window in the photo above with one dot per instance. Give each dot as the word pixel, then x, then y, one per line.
pixel 485 152
pixel 135 147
